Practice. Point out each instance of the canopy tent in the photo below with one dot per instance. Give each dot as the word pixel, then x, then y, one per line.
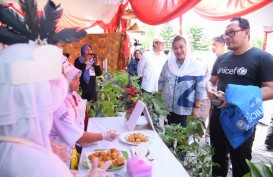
pixel 107 13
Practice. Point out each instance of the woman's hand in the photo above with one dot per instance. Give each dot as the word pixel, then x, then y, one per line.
pixel 195 111
pixel 60 150
pixel 96 61
pixel 110 135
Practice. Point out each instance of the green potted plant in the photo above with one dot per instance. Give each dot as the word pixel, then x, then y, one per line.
pixel 196 158
pixel 128 99
pixel 107 104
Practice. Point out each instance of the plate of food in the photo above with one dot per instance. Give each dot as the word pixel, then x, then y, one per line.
pixel 137 137
pixel 117 157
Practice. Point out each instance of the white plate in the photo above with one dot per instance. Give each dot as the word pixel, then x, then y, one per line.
pixel 147 133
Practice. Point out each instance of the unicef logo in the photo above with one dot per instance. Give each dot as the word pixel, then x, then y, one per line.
pixel 241 124
pixel 241 71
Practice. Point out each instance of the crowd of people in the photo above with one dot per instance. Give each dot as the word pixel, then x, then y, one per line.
pixel 188 88
pixel 42 119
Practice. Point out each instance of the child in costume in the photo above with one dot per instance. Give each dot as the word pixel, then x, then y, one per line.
pixel 68 122
pixel 29 92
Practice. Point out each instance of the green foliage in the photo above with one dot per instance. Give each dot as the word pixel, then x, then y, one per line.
pixel 107 104
pixel 121 77
pixel 146 39
pixel 198 39
pixel 256 42
pixel 267 171
pixel 167 33
pixel 195 158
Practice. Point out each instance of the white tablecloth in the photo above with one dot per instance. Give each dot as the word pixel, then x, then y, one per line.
pixel 163 165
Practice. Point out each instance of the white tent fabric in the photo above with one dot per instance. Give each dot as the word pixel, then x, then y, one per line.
pixel 84 11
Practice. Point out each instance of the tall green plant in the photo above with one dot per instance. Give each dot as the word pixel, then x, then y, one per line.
pixel 195 157
pixel 109 90
pixel 107 104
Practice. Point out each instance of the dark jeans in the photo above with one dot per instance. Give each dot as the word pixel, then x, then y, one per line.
pixel 177 119
pixel 222 147
pixel 269 137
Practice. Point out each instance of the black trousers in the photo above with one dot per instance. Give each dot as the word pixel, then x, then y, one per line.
pixel 177 119
pixel 222 147
pixel 269 137
pixel 90 96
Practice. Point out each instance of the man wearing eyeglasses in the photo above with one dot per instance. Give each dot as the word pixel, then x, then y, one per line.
pixel 242 65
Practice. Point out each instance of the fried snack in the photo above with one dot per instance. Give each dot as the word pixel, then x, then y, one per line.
pixel 91 156
pixel 137 138
pixel 143 139
pixel 115 155
pixel 131 139
pixel 112 155
pixel 120 161
pixel 103 153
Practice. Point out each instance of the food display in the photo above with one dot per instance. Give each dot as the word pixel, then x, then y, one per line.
pixel 112 155
pixel 137 138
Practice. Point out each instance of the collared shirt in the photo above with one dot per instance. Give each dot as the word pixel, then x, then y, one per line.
pixel 149 68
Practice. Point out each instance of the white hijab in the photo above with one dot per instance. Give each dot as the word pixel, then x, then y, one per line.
pixel 190 67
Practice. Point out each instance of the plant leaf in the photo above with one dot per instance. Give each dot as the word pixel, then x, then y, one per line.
pixel 254 170
pixel 266 170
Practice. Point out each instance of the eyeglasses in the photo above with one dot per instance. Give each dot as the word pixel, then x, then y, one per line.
pixel 230 33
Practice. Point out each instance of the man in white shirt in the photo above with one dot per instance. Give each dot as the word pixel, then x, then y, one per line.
pixel 150 66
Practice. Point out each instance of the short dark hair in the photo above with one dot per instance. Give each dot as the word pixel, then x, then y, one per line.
pixel 218 39
pixel 243 23
pixel 137 50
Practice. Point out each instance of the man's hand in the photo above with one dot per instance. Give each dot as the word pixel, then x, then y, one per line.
pixel 211 91
pixel 221 96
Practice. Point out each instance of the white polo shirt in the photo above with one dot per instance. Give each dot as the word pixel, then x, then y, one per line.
pixel 149 68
